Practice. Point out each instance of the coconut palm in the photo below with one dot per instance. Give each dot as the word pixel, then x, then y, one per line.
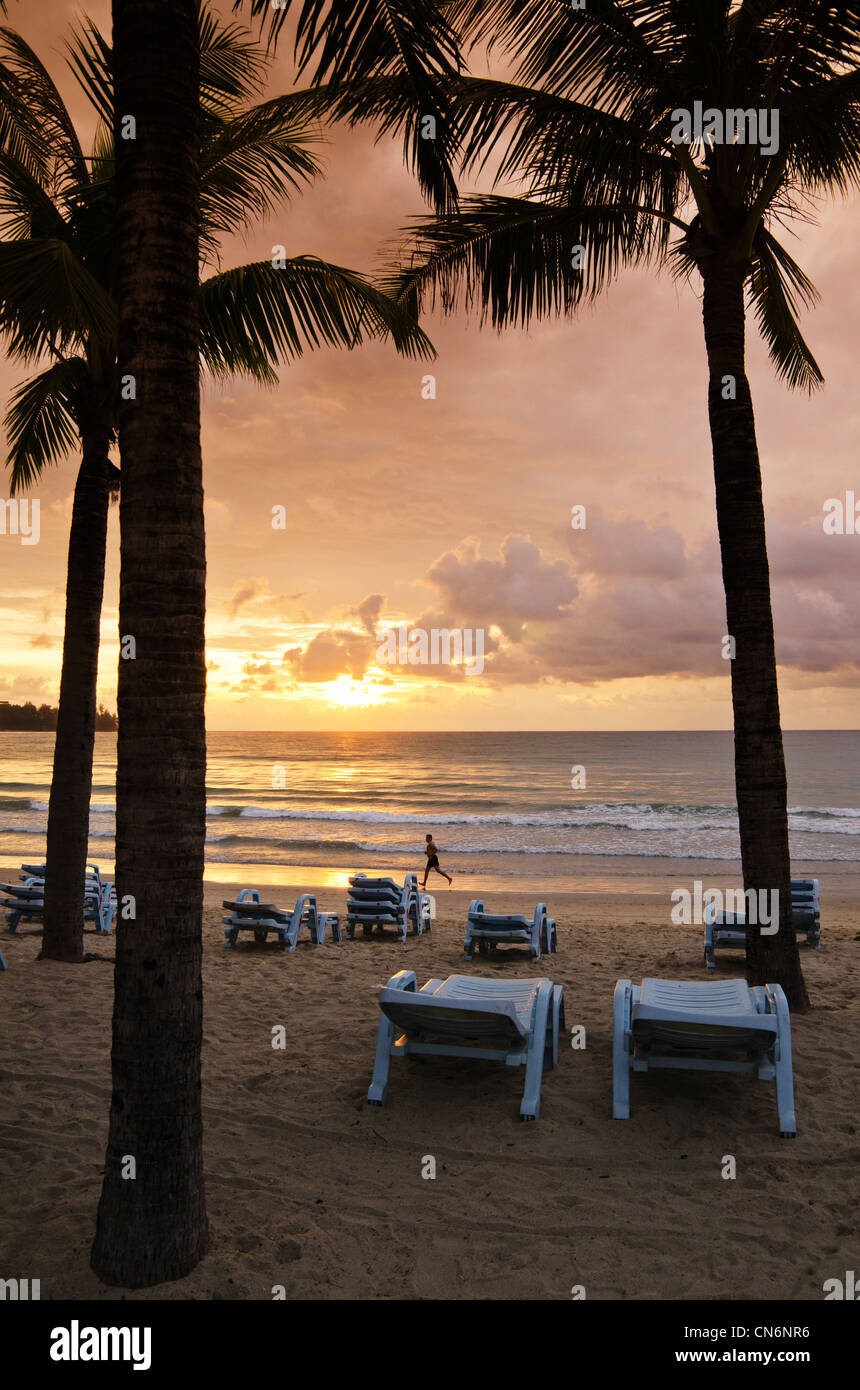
pixel 152 1225
pixel 587 122
pixel 57 301
pixel 590 128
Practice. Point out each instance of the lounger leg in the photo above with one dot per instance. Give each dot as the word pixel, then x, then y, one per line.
pixel 620 1050
pixel 530 1107
pixel 555 1028
pixel 710 959
pixel 784 1075
pixel 377 1093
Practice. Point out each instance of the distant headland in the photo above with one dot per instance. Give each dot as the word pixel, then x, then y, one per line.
pixel 41 718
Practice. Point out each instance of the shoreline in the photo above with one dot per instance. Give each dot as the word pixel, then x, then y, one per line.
pixel 608 875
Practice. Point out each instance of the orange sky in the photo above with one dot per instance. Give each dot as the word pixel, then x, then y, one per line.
pixel 455 512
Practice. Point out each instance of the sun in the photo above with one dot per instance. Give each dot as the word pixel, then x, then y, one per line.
pixel 346 693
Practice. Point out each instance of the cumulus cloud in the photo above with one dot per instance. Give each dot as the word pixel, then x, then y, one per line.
pixel 508 592
pixel 332 653
pixel 635 600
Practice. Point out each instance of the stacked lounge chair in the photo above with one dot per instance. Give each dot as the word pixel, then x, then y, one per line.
pixel 25 901
pixel 516 1021
pixel 490 930
pixel 247 913
pixel 728 930
pixel 670 1023
pixel 380 902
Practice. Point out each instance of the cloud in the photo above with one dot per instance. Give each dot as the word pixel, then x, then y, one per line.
pixel 245 592
pixel 645 601
pixel 368 612
pixel 506 593
pixel 332 653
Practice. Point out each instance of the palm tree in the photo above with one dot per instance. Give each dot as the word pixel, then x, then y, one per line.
pixel 57 299
pixel 152 1224
pixel 591 127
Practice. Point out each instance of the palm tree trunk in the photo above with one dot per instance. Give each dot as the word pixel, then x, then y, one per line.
pixel 760 777
pixel 152 1226
pixel 71 783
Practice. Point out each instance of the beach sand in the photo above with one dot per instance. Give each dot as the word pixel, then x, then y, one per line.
pixel 310 1188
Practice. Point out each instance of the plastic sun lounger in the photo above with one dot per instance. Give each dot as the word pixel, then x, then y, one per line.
pixel 517 1022
pixel 657 1023
pixel 380 902
pixel 247 913
pixel 728 930
pixel 25 901
pixel 490 930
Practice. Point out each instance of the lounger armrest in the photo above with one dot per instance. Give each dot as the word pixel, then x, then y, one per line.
pixel 247 895
pixel 476 906
pixel 404 979
pixel 540 914
pixel 622 1007
pixel 776 1002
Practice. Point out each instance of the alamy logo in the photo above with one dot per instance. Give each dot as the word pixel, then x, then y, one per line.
pixel 20 517
pixel 20 1289
pixel 842 1290
pixel 734 126
pixel 441 646
pixel 76 1343
pixel 758 908
pixel 842 518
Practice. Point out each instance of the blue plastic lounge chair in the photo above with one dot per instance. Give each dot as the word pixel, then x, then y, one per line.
pixel 247 913
pixel 107 906
pixel 489 930
pixel 728 930
pixel 25 901
pixel 380 902
pixel 515 1021
pixel 659 1023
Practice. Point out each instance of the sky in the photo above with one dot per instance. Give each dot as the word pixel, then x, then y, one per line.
pixel 453 511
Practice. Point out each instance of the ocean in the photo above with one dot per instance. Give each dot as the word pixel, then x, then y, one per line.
pixel 564 810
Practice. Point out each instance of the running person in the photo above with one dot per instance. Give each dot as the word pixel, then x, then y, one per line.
pixel 433 861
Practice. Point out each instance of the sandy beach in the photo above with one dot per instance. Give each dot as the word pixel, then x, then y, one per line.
pixel 310 1188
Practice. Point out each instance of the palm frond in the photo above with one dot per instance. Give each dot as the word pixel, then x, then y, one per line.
pixel 22 135
pixel 26 207
pixel 552 145
pixel 615 54
pixel 250 162
pixel 37 88
pixel 257 315
pixel 232 63
pixel 517 259
pixel 775 288
pixel 41 421
pixel 49 300
pixel 90 58
pixel 821 129
pixel 369 40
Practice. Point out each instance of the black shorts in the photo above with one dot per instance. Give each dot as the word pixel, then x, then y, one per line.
pixel 433 861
